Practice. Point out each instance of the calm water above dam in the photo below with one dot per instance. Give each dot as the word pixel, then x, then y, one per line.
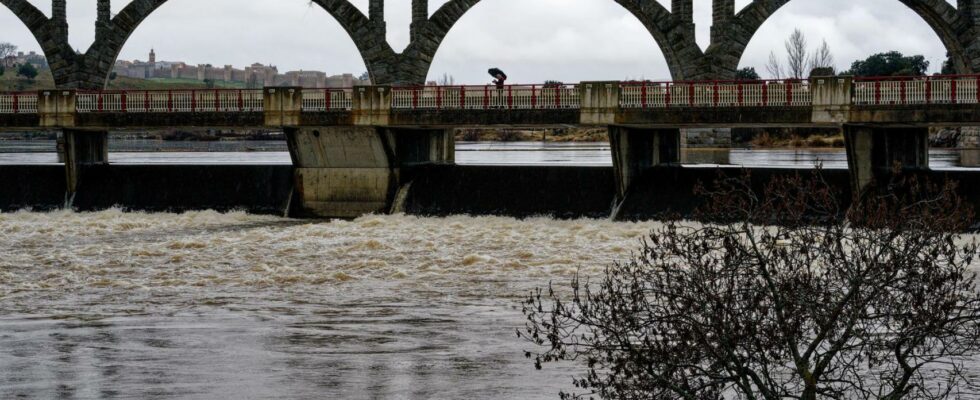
pixel 471 153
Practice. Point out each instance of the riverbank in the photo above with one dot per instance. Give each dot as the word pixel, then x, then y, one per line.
pixel 817 139
pixel 558 135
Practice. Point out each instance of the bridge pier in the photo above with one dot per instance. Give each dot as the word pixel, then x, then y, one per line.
pixel 635 150
pixel 347 172
pixel 81 148
pixel 873 152
pixel 78 146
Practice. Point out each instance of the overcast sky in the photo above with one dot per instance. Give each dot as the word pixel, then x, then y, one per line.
pixel 533 40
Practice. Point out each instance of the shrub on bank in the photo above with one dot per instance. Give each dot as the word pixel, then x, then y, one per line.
pixel 779 294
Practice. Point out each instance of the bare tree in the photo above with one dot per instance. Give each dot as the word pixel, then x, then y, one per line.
pixel 446 80
pixel 7 49
pixel 780 294
pixel 799 61
pixel 822 58
pixel 774 67
pixel 797 55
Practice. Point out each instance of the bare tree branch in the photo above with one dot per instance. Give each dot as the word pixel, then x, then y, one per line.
pixel 822 58
pixel 774 67
pixel 780 293
pixel 797 55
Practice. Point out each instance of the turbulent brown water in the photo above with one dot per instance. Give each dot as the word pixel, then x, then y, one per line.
pixel 208 305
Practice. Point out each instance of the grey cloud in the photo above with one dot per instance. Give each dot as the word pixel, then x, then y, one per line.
pixel 533 40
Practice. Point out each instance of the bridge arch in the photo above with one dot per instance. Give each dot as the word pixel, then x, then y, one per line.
pixel 87 70
pixel 477 44
pixel 261 30
pixel 18 35
pixel 954 28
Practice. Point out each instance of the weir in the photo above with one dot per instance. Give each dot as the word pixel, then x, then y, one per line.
pixel 352 149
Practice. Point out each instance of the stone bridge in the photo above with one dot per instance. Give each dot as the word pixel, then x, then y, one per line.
pixel 673 30
pixel 349 146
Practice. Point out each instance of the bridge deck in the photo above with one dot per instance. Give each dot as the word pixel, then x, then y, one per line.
pixel 941 100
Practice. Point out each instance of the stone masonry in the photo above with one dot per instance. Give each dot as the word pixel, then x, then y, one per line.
pixel 673 30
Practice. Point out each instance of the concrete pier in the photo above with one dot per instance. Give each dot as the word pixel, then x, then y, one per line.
pixel 638 149
pixel 346 172
pixel 79 147
pixel 83 148
pixel 873 152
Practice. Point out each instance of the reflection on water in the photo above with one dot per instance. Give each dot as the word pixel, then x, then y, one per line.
pixel 207 305
pixel 478 153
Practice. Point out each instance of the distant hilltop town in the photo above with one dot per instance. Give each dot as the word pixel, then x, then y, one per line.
pixel 254 76
pixel 37 60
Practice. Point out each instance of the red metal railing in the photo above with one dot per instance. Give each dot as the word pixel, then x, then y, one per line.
pixel 912 90
pixel 321 100
pixel 157 101
pixel 768 93
pixel 955 89
pixel 509 97
pixel 18 103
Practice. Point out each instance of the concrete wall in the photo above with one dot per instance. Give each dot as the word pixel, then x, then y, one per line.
pixel 347 172
pixel 435 190
pixel 706 138
pixel 518 191
pixel 343 171
pixel 37 187
pixel 260 189
pixel 253 188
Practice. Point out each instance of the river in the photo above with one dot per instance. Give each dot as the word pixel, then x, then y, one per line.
pixel 467 153
pixel 204 305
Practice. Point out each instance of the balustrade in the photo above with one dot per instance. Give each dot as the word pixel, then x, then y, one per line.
pixel 18 103
pixel 161 101
pixel 789 93
pixel 917 90
pixel 322 100
pixel 510 97
pixel 632 95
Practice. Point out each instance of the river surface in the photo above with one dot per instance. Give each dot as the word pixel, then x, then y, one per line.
pixel 205 305
pixel 467 153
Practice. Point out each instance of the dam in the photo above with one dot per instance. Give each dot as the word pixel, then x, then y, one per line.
pixel 362 150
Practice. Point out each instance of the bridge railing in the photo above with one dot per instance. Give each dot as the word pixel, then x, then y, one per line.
pixel 509 97
pixel 950 89
pixel 18 103
pixel 160 101
pixel 774 93
pixel 322 100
